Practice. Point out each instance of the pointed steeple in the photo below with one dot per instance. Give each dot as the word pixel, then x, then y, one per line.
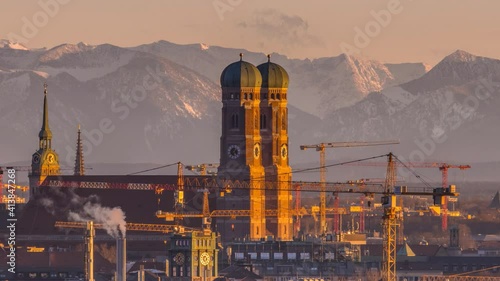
pixel 406 251
pixel 45 134
pixel 79 164
pixel 495 203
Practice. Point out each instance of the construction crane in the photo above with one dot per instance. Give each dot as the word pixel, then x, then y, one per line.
pixel 163 228
pixel 203 168
pixel 389 193
pixel 362 199
pixel 443 167
pixel 321 148
pixel 10 188
pixel 206 214
pixel 392 212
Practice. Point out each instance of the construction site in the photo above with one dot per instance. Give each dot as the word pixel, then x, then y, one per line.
pixel 243 218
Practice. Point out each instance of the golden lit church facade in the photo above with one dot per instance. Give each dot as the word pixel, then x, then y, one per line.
pixel 254 148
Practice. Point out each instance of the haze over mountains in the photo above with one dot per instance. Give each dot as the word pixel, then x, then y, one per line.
pixel 160 103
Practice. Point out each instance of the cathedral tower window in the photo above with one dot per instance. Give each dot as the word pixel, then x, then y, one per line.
pixel 263 121
pixel 234 121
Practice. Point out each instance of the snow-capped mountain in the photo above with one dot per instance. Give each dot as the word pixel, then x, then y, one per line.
pixel 12 45
pixel 317 87
pixel 133 106
pixel 146 102
pixel 449 113
pixel 160 103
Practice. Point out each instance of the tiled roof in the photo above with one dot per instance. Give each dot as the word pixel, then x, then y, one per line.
pixel 418 250
pixel 239 273
pixel 59 260
pixel 148 265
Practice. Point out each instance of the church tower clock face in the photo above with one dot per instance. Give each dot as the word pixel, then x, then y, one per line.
pixel 233 151
pixel 179 258
pixel 256 150
pixel 36 158
pixel 284 151
pixel 205 259
pixel 51 158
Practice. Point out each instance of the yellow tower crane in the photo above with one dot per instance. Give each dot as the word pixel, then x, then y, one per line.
pixel 203 168
pixel 322 162
pixel 392 212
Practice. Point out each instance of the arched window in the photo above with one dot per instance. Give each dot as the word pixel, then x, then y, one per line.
pixel 278 96
pixel 246 96
pixel 283 121
pixel 263 121
pixel 234 121
pixel 276 122
pixel 272 96
pixel 250 96
pixel 255 121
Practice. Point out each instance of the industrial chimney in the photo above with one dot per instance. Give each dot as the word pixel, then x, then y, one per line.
pixel 89 251
pixel 121 259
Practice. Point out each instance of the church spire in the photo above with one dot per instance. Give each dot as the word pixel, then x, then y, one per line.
pixel 79 165
pixel 45 134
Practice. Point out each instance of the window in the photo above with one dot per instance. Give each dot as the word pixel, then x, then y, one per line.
pixel 263 121
pixel 234 121
pixel 272 96
pixel 250 96
pixel 283 121
pixel 276 121
pixel 246 96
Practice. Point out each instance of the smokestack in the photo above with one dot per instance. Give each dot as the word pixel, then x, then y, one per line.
pixel 89 251
pixel 121 259
pixel 140 273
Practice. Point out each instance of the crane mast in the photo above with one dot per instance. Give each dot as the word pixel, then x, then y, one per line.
pixel 390 223
pixel 322 159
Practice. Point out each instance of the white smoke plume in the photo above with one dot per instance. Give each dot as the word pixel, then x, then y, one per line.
pixel 66 203
pixel 113 219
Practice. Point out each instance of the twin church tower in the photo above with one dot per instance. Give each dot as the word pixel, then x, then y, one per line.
pixel 254 148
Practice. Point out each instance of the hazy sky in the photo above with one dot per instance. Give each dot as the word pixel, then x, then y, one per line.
pixel 406 30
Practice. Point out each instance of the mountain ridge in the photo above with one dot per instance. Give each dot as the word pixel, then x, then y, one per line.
pixel 341 98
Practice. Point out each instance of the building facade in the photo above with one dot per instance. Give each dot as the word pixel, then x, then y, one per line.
pixel 193 256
